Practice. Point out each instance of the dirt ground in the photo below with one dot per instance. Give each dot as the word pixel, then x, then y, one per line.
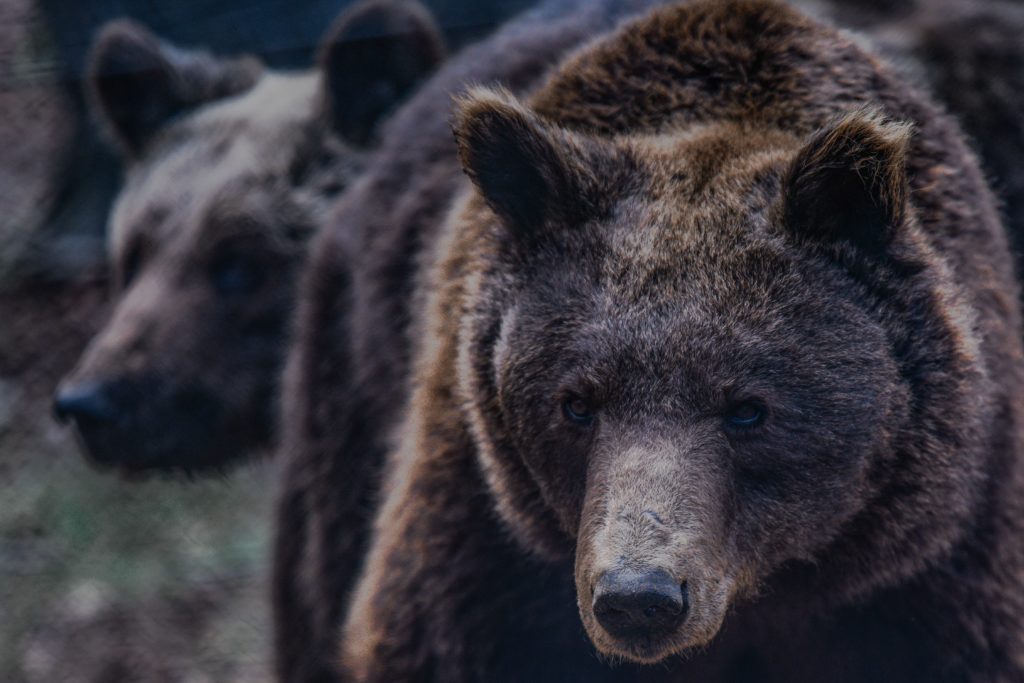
pixel 101 580
pixel 104 580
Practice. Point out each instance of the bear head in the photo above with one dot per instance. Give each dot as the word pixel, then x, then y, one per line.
pixel 229 170
pixel 705 360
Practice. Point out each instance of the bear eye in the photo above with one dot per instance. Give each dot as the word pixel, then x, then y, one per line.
pixel 745 415
pixel 236 274
pixel 577 410
pixel 131 264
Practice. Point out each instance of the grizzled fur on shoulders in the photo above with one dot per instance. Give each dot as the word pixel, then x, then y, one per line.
pixel 727 319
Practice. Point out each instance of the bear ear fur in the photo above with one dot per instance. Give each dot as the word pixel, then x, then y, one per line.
pixel 372 57
pixel 848 183
pixel 137 83
pixel 528 171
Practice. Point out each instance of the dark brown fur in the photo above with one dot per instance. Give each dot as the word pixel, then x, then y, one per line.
pixel 345 384
pixel 724 204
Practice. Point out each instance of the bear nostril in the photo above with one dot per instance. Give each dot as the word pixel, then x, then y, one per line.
pixel 629 603
pixel 84 402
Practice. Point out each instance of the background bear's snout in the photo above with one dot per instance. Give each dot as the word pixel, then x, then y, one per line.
pixel 88 401
pixel 631 604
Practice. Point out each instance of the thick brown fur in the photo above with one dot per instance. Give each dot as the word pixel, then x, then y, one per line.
pixel 229 170
pixel 345 381
pixel 725 210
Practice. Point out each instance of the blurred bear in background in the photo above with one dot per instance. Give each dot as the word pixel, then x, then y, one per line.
pixel 230 168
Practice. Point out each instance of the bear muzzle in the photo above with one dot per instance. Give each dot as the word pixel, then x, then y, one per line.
pixel 135 425
pixel 648 614
pixel 632 604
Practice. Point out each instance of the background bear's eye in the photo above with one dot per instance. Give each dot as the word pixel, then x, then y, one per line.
pixel 131 263
pixel 745 415
pixel 577 410
pixel 236 274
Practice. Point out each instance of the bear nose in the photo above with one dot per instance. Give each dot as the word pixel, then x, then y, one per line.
pixel 90 402
pixel 630 603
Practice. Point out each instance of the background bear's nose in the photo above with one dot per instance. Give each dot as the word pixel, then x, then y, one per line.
pixel 89 401
pixel 630 603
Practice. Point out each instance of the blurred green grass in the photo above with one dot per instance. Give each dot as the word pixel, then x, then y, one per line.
pixel 179 565
pixel 101 580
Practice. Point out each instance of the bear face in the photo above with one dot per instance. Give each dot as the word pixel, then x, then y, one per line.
pixel 229 171
pixel 679 360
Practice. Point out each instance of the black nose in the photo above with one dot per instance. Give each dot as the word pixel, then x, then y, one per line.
pixel 89 402
pixel 630 603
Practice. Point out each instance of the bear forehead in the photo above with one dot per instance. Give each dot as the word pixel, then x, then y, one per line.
pixel 228 143
pixel 699 220
pixel 193 207
pixel 219 161
pixel 278 102
pixel 694 305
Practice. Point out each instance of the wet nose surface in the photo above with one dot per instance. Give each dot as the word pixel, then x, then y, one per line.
pixel 631 604
pixel 139 423
pixel 90 402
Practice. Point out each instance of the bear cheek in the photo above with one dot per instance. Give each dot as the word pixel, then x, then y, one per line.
pixel 791 502
pixel 560 471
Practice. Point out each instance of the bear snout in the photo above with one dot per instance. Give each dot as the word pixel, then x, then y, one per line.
pixel 648 603
pixel 143 422
pixel 89 401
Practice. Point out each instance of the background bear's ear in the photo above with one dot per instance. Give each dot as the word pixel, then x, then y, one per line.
pixel 849 183
pixel 529 172
pixel 372 58
pixel 138 83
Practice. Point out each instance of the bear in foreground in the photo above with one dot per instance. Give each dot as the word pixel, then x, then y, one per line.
pixel 229 171
pixel 724 341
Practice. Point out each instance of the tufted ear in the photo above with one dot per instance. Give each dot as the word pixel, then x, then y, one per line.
pixel 848 183
pixel 372 58
pixel 530 172
pixel 137 83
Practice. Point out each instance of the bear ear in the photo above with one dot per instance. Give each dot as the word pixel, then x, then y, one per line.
pixel 138 83
pixel 529 172
pixel 373 56
pixel 848 183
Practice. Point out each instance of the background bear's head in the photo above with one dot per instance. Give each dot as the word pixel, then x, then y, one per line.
pixel 707 360
pixel 229 170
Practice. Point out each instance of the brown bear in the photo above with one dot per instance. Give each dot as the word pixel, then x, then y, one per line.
pixel 229 170
pixel 721 351
pixel 344 382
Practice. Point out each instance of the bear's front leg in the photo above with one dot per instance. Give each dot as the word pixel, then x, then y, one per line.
pixel 446 595
pixel 417 604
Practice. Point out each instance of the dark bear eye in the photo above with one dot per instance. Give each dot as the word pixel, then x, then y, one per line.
pixel 235 274
pixel 130 264
pixel 745 415
pixel 577 410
